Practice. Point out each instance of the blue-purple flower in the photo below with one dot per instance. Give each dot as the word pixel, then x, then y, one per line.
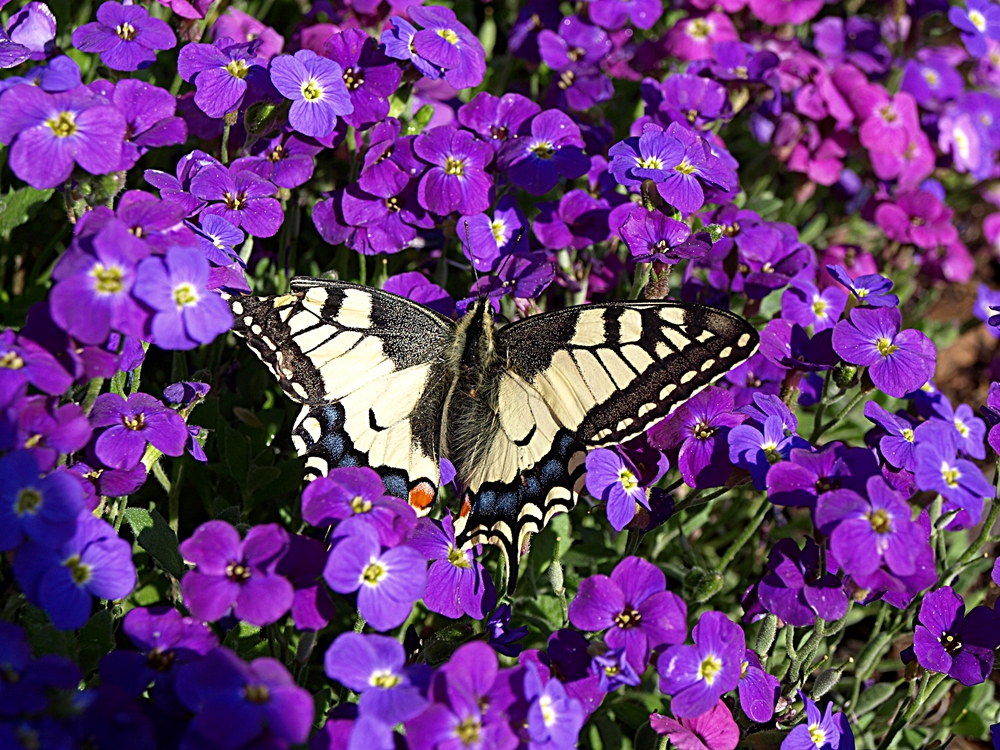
pixel 125 35
pixel 457 583
pixel 545 148
pixel 949 641
pixel 43 509
pixel 244 199
pixel 222 73
pixel 316 88
pixel 131 424
pixel 457 178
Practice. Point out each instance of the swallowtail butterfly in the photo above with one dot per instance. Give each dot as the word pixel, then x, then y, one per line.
pixel 388 383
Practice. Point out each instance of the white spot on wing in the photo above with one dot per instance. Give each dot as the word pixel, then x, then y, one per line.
pixel 672 315
pixel 630 326
pixel 589 329
pixel 356 310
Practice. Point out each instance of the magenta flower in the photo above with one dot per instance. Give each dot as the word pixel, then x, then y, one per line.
pixel 694 37
pixel 235 702
pixel 235 574
pixel 713 730
pixel 49 133
pixel 953 643
pixel 546 147
pixel 125 35
pixel 221 73
pixel 919 218
pixel 898 361
pixel 697 676
pixel 457 583
pixel 457 179
pixel 245 199
pixel 133 423
pixel 95 561
pixel 388 582
pixel 186 313
pixel 778 12
pixel 634 607
pixel 243 27
pixel 612 14
pixel 317 90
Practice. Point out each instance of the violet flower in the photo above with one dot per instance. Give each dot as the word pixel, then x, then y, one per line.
pixel 634 607
pixel 796 590
pixel 614 480
pixel 34 28
pixel 869 289
pixel 577 221
pixel 448 44
pixel 977 22
pixel 316 88
pixel 457 583
pixel 828 731
pixel 236 574
pixel 803 303
pixel 545 148
pixel 457 179
pixel 370 76
pixel 654 236
pixel 222 73
pixel 125 35
pixel 496 119
pixel 133 423
pixel 697 676
pixel 612 14
pixel 957 480
pixel 43 509
pixel 948 641
pixel 245 199
pixel 758 689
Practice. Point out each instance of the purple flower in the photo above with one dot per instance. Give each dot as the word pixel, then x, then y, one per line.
pixel 235 574
pixel 43 509
pixel 34 28
pixel 125 35
pixel 546 147
pixel 700 429
pixel 868 288
pixel 501 637
pixel 62 580
pixel 978 21
pixel 614 670
pixel 713 730
pixel 953 643
pixel 866 531
pixel 235 702
pixel 654 236
pixel 166 640
pixel 374 666
pixel 697 676
pixel 389 163
pixel 577 221
pixel 796 590
pixel 932 80
pixel 969 430
pixel 554 719
pixel 819 731
pixel 457 583
pixel 149 117
pixel 398 43
pixel 803 303
pixel 857 41
pixel 176 287
pixel 635 605
pixel 612 14
pixel 217 239
pixel 758 689
pixel 12 54
pixel 371 77
pixel 384 225
pixel 417 287
pixel 576 45
pixel 899 445
pixel 496 119
pixel 133 423
pixel 757 449
pixel 243 27
pixel 991 410
pixel 176 188
pixel 958 481
pixel 388 582
pixel 898 361
pixel 49 133
pixel 245 199
pixel 490 239
pixel 24 361
pixel 221 73
pixel 447 44
pixel 809 475
pixel 612 479
pixel 317 89
pixel 457 179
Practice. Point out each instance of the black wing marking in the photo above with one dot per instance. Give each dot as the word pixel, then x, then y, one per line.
pixel 371 370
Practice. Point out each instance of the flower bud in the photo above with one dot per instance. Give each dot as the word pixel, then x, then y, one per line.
pixel 704 584
pixel 826 681
pixel 845 375
pixel 765 636
pixel 260 117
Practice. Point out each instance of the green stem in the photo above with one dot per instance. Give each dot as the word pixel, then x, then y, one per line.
pixel 927 686
pixel 93 391
pixel 224 150
pixel 818 420
pixel 744 537
pixel 174 501
pixel 695 499
pixel 841 414
pixel 641 277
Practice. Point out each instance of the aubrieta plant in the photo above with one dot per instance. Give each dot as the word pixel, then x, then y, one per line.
pixel 800 557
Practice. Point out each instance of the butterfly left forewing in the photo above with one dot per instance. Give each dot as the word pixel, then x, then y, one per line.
pixel 369 369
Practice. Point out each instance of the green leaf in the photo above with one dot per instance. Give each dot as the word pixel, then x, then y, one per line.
pixel 44 637
pixel 243 637
pixel 96 639
pixel 155 536
pixel 874 697
pixel 19 207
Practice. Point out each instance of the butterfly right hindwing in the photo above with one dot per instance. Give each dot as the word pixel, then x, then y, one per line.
pixel 370 369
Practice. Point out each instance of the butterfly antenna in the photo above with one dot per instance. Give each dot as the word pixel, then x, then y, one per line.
pixel 472 257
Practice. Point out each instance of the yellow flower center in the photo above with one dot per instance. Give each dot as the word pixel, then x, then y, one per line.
pixel 238 69
pixel 458 558
pixel 79 570
pixel 354 79
pixel 542 149
pixel 741 71
pixel 498 228
pixel 373 573
pixel 880 521
pixel 819 307
pixel 454 166
pixel 135 423
pixel 63 125
pixel 184 295
pixel 703 431
pixel 566 79
pixel 709 668
pixel 908 435
pixel 311 91
pixel 950 474
pixel 817 735
pixel 277 154
pixel 257 693
pixel 29 500
pixel 886 347
pixel 931 77
pixel 109 280
pixel 771 452
pixel 470 731
pixel 629 618
pixel 235 202
pixel 962 427
pixel 360 505
pixel 448 35
pixel 11 361
pixel 237 572
pixel 628 480
pixel 125 31
pixel 699 29
pixel 650 162
pixel 548 714
pixel 384 679
pixel 684 167
pixel 978 19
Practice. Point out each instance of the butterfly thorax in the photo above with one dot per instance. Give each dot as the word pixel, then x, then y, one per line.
pixel 470 411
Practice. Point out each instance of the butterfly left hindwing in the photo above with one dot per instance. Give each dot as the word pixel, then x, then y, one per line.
pixel 581 378
pixel 369 369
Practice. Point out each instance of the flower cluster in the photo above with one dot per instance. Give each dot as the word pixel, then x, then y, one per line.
pixel 808 542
